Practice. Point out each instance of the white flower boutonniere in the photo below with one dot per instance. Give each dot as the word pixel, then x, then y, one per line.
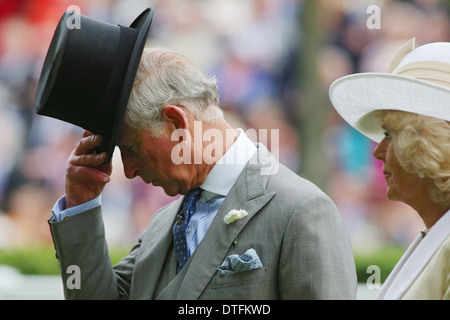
pixel 234 215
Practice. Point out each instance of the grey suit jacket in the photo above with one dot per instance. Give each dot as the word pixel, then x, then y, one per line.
pixel 294 227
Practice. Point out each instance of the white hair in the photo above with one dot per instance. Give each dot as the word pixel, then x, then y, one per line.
pixel 165 78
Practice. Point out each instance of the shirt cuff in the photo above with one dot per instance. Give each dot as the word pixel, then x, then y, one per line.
pixel 60 212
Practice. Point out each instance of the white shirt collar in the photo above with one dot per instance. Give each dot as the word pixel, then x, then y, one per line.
pixel 227 170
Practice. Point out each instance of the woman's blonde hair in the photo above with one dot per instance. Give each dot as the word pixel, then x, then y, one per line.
pixel 422 146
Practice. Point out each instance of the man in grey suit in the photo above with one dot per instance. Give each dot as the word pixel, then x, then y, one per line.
pixel 258 230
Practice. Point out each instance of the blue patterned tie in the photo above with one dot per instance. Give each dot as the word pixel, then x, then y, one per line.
pixel 179 230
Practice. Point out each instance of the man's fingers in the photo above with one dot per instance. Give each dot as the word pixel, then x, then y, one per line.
pixel 87 133
pixel 87 174
pixel 86 171
pixel 88 144
pixel 88 159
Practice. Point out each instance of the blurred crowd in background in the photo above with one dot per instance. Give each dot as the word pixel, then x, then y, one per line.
pixel 253 47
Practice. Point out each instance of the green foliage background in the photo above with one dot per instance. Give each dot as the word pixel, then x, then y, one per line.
pixel 42 260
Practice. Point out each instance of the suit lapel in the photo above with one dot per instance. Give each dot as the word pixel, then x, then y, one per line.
pixel 156 243
pixel 248 193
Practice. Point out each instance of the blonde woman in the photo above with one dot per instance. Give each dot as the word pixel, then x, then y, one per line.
pixel 408 112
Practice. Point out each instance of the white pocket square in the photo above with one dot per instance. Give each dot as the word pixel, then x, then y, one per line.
pixel 235 263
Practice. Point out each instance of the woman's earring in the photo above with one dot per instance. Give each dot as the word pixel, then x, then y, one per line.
pixel 421 175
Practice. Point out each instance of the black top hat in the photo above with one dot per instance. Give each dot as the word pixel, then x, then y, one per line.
pixel 89 71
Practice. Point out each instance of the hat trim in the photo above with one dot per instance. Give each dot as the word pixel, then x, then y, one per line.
pixel 356 97
pixel 432 71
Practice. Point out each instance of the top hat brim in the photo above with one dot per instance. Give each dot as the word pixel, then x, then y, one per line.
pixel 142 23
pixel 358 97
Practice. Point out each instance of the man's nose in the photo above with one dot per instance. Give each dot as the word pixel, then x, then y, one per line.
pixel 129 169
pixel 129 173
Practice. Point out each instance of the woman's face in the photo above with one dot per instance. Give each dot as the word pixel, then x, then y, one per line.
pixel 401 185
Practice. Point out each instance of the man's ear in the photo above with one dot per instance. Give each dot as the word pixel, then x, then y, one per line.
pixel 175 117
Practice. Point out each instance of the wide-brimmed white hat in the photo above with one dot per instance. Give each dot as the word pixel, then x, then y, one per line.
pixel 418 82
